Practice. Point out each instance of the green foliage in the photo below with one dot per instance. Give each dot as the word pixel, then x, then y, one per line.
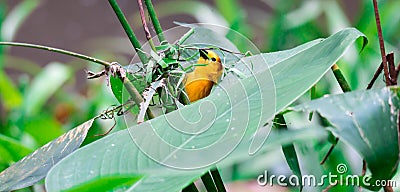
pixel 367 121
pixel 107 183
pixel 41 106
pixel 35 166
pixel 128 140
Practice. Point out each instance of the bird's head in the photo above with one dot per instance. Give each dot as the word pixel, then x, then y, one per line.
pixel 207 56
pixel 209 65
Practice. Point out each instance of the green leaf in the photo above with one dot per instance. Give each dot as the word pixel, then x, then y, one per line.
pixel 35 166
pixel 120 92
pixel 289 151
pixel 53 76
pixel 117 88
pixel 141 151
pixel 107 183
pixel 10 96
pixel 170 61
pixel 158 59
pixel 16 17
pixel 367 121
pixel 11 150
pixel 308 66
pixel 43 123
pixel 163 47
pixel 149 71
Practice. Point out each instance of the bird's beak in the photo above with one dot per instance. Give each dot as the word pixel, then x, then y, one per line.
pixel 203 54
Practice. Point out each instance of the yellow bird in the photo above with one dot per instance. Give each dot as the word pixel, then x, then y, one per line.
pixel 200 81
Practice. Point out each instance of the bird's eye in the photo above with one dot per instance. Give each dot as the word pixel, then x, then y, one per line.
pixel 213 59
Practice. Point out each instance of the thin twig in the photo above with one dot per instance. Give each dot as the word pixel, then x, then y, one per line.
pixel 381 44
pixel 329 152
pixel 397 71
pixel 145 27
pixel 128 30
pixel 376 75
pixel 363 172
pixel 364 168
pixel 393 75
pixel 329 187
pixel 108 131
pixel 392 69
pixel 388 188
pixel 56 50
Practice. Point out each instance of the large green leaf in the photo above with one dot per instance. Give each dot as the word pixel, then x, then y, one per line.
pixel 34 167
pixel 139 150
pixel 367 121
pixel 109 183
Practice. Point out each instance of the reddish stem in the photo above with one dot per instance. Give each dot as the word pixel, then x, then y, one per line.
pixel 381 43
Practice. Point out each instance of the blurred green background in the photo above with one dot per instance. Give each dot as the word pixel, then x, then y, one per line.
pixel 43 94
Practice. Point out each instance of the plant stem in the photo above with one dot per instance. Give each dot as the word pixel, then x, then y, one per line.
pixel 313 95
pixel 56 50
pixel 376 75
pixel 345 88
pixel 128 30
pixel 340 78
pixel 155 21
pixel 388 188
pixel 381 43
pixel 289 150
pixel 137 98
pixel 145 27
pixel 329 151
pixel 393 72
pixel 185 36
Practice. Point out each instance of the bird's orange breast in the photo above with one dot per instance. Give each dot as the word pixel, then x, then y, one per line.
pixel 198 89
